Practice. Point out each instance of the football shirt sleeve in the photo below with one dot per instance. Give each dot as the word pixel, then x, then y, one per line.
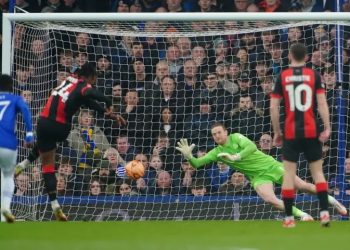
pixel 248 147
pixel 210 157
pixel 277 91
pixel 319 86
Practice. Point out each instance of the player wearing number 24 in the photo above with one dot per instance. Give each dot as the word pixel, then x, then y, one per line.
pixel 54 124
pixel 303 94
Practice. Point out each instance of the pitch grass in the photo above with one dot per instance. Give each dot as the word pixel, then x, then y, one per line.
pixel 173 235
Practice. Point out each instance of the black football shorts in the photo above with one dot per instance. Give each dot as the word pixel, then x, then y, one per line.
pixel 49 133
pixel 312 149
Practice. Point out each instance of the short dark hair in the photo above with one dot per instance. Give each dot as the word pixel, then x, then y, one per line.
pixel 328 70
pixel 168 76
pixel 6 83
pixel 218 124
pixel 206 75
pixel 65 160
pixel 136 43
pixel 87 70
pixel 198 184
pixel 298 51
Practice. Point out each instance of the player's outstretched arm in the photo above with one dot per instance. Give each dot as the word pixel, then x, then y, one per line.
pixel 108 112
pixel 94 94
pixel 186 151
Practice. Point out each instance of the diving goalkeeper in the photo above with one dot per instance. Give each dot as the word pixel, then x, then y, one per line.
pixel 262 170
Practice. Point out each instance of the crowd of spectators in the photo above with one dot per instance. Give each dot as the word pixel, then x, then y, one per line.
pixel 170 87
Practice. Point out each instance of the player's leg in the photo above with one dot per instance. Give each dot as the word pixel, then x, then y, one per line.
pixel 321 189
pixel 311 189
pixel 288 189
pixel 313 154
pixel 267 193
pixel 48 170
pixel 46 141
pixel 32 156
pixel 291 150
pixel 7 165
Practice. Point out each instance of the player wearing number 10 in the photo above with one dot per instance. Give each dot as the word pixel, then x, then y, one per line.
pixel 54 123
pixel 10 104
pixel 303 93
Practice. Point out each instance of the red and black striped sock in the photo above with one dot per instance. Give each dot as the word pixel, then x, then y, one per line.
pixel 322 194
pixel 288 196
pixel 50 181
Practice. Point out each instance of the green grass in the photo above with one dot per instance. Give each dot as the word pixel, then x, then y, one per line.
pixel 173 235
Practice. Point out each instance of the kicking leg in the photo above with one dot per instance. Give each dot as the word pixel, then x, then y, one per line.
pixel 311 189
pixel 267 193
pixel 48 169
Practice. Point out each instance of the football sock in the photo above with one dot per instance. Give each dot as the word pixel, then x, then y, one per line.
pixel 50 181
pixel 288 200
pixel 322 194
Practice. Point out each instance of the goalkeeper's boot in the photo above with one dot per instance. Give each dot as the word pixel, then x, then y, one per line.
pixel 9 217
pixel 324 218
pixel 340 208
pixel 60 216
pixel 306 217
pixel 289 222
pixel 21 166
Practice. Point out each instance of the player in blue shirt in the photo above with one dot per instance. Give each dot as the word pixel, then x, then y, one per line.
pixel 10 105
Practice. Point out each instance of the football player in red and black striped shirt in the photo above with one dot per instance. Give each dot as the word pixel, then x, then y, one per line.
pixel 54 124
pixel 303 94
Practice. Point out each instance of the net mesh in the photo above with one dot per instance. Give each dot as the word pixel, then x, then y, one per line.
pixel 169 80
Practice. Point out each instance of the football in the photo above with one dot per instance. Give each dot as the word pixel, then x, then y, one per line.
pixel 135 169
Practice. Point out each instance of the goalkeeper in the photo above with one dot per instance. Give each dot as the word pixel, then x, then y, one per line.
pixel 262 170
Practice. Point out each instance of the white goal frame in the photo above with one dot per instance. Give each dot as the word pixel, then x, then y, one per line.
pixel 45 17
pixel 226 16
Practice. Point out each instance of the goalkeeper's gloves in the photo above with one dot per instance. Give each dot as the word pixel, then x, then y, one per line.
pixel 227 156
pixel 185 149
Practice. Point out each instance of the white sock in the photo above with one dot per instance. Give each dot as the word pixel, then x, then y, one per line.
pixel 331 200
pixel 8 187
pixel 24 164
pixel 55 204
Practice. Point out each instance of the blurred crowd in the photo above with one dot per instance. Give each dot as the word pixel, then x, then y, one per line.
pixel 169 87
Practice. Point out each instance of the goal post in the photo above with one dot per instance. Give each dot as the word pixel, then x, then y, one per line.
pixel 242 52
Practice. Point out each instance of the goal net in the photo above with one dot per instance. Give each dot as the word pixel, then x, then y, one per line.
pixel 171 80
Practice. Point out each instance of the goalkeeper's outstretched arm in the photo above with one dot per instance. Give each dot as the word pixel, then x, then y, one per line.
pixel 186 151
pixel 204 160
